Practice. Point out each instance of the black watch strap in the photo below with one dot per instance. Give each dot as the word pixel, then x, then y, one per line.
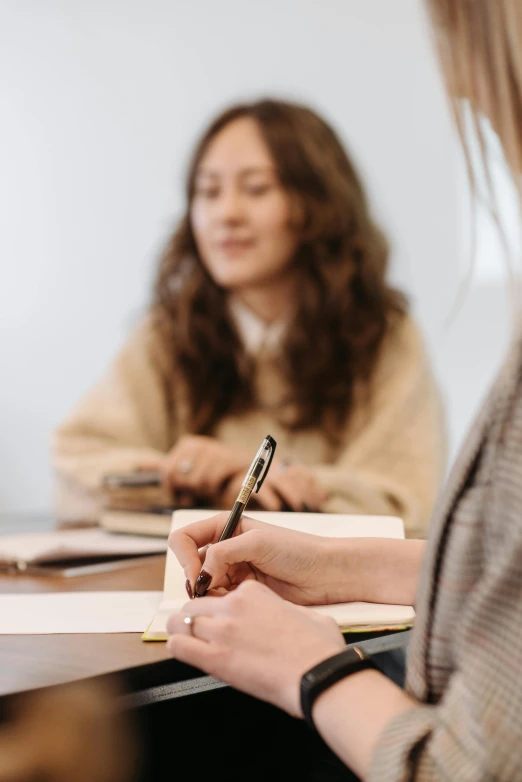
pixel 329 672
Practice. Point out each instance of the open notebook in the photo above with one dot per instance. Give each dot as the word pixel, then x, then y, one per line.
pixel 351 617
pixel 38 551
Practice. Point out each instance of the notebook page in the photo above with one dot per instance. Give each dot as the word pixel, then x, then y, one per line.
pixel 364 615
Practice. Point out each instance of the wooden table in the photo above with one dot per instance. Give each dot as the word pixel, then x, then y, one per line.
pixel 32 661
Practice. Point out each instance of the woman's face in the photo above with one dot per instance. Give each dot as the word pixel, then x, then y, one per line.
pixel 240 214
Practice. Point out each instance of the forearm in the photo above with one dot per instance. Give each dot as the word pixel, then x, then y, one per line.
pixel 351 715
pixel 374 570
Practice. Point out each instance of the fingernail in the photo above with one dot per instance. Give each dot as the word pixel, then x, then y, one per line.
pixel 202 583
pixel 189 589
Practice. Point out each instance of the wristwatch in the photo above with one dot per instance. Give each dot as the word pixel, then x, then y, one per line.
pixel 329 672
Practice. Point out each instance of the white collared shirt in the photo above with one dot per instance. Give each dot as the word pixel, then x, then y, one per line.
pixel 255 333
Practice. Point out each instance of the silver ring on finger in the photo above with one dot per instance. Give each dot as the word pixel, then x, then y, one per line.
pixel 185 466
pixel 190 622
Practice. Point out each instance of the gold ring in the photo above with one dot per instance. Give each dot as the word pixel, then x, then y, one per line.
pixel 190 621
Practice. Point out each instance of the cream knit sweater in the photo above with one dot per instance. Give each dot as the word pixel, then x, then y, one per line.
pixel 391 460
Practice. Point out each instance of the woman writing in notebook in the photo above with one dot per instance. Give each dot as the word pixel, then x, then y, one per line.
pixel 271 313
pixel 459 717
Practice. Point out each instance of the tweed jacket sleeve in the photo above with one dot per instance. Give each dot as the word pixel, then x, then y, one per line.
pixel 465 666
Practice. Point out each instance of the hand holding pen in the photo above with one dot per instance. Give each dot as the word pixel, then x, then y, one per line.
pixel 253 481
pixel 291 563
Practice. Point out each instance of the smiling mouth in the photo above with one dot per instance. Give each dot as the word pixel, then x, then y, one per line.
pixel 235 245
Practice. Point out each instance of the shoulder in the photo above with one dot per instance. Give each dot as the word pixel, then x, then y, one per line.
pixel 145 332
pixel 145 346
pixel 490 464
pixel 403 352
pixel 405 335
pixel 505 417
pixel 500 469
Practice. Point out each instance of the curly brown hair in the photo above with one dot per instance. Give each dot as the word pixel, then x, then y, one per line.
pixel 345 307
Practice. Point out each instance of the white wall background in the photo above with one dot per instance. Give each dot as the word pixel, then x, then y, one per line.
pixel 99 104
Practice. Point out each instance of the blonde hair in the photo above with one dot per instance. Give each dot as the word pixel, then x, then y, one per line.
pixel 480 47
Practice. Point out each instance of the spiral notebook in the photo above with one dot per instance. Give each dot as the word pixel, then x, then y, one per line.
pixel 351 617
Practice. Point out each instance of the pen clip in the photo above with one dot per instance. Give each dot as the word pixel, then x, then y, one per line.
pixel 271 443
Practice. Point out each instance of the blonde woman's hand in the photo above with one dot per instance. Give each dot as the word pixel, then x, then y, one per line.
pixel 254 641
pixel 301 568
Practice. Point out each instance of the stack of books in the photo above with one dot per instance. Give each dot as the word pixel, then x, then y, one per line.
pixel 137 503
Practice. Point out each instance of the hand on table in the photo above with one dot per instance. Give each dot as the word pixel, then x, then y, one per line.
pixel 202 467
pixel 293 486
pixel 254 641
pixel 199 466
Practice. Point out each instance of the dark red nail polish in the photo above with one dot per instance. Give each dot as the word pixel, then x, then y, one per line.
pixel 202 584
pixel 189 589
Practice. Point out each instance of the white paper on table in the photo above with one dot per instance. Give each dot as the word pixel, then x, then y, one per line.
pixel 77 612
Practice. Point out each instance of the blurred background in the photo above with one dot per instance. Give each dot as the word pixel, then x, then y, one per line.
pixel 100 103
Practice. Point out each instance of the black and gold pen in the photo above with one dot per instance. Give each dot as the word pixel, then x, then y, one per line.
pixel 253 481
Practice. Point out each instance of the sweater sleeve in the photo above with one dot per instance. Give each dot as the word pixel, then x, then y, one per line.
pixel 393 463
pixel 123 422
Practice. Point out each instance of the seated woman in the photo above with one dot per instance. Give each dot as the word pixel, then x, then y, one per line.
pixel 460 717
pixel 271 314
